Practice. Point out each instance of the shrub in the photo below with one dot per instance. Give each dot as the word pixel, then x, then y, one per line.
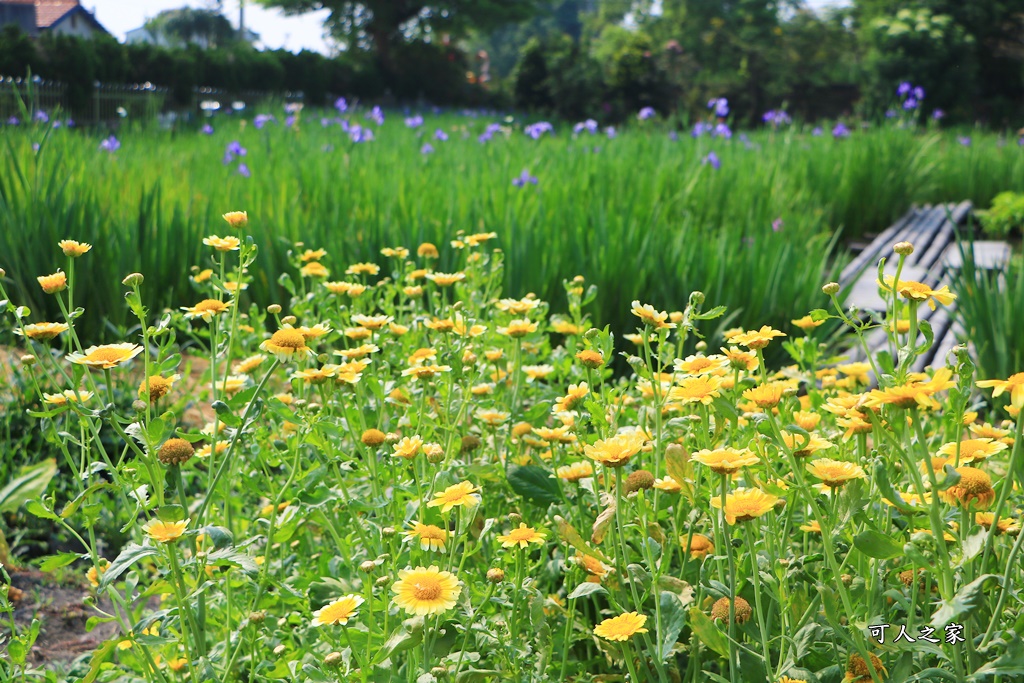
pixel 1004 216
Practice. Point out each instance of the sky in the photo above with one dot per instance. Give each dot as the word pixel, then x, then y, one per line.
pixel 275 29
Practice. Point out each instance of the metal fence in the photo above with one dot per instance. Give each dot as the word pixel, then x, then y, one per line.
pixel 112 102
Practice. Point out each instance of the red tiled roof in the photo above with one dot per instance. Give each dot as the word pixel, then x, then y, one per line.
pixel 49 12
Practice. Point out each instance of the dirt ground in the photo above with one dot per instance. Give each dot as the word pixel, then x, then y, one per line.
pixel 59 608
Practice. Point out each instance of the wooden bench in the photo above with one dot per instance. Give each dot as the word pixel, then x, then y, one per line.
pixel 937 256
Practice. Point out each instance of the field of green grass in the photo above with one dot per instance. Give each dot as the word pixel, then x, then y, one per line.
pixel 639 215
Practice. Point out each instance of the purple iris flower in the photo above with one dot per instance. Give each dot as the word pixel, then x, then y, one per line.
pixel 817 131
pixel 341 104
pixel 720 106
pixel 235 149
pixel 440 135
pixel 42 117
pixel 646 113
pixel 938 115
pixel 840 131
pixel 413 121
pixel 712 159
pixel 673 136
pixel 244 171
pixel 777 224
pixel 964 140
pixel 721 131
pixel 890 113
pixel 70 123
pixel 262 119
pixel 524 178
pixel 35 146
pixel 207 129
pixel 57 124
pixel 590 125
pixel 903 89
pixel 13 121
pixel 376 115
pixel 776 117
pixel 918 93
pixel 290 121
pixel 111 144
pixel 360 134
pixel 610 132
pixel 427 148
pixel 537 130
pixel 700 128
pixel 910 103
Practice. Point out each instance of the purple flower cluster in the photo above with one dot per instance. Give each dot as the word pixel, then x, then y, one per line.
pixel 713 160
pixel 357 133
pixel 524 178
pixel 720 106
pixel 261 120
pixel 776 118
pixel 537 130
pixel 590 126
pixel 413 121
pixel 700 128
pixel 111 144
pixel 840 131
pixel 376 115
pixel 489 132
pixel 910 95
pixel 611 132
pixel 427 148
pixel 235 150
pixel 646 113
pixel 41 117
pixel 938 115
pixel 207 129
pixel 13 121
pixel 341 104
pixel 440 135
pixel 964 140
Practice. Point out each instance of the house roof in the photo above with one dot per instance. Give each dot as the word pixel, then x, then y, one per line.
pixel 49 12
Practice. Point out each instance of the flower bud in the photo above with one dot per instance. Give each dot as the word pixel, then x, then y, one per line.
pixel 368 566
pixel 3 273
pixel 639 479
pixel 133 280
pixel 831 289
pixel 382 582
pixel 279 650
pixel 175 451
pixel 515 517
pixel 28 359
pixel 274 309
pixel 139 406
pixel 237 219
pixel 495 575
pixel 257 617
pixel 289 320
pixel 903 248
pixel 387 531
pixel 373 438
pixel 333 659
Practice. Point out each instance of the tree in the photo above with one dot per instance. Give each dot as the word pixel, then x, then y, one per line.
pixel 206 28
pixel 381 24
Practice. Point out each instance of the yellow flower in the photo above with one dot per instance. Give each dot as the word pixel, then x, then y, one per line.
pixel 807 323
pixel 314 269
pixel 523 537
pixel 93 574
pixel 1014 384
pixel 765 395
pixel 372 322
pixel 575 394
pixel 492 417
pixel 700 364
pixel 590 358
pixel 972 449
pixel 835 473
pixel 363 269
pixel 159 386
pixel 575 471
pixel 73 249
pixel 106 356
pixel 479 238
pixel 202 276
pixel 622 627
pixel 859 371
pixel 425 371
pixel 52 284
pixel 699 389
pixel 700 546
pixel 164 532
pixel 726 461
pixel 914 393
pixel 803 447
pixel 592 565
pixel 408 447
pixel 312 255
pixel 426 590
pixel 43 331
pixel 178 663
pixel 974 490
pixel 248 365
pixel 337 611
pixel 237 219
pixel 740 359
pixel 652 317
pixel 562 326
pixel 222 243
pixel 1006 525
pixel 743 505
pixel 518 328
pixel 206 309
pixel 757 339
pixel 461 494
pixel 536 371
pixel 806 420
pixel 517 306
pixel 787 679
pixel 616 451
pixel 431 538
pixel 285 344
pixel 668 484
pixel 427 250
pixel 445 279
pixel 811 527
pixel 918 291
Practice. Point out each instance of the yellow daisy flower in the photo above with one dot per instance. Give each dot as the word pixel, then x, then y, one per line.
pixel 425 591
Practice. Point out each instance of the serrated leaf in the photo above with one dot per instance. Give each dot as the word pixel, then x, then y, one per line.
pixel 131 553
pixel 1010 662
pixel 586 588
pixel 673 618
pixel 966 600
pixel 534 483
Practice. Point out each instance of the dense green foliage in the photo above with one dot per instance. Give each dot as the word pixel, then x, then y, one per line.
pixel 1006 214
pixel 627 213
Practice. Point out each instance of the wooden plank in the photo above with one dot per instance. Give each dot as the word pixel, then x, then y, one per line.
pixel 874 250
pixel 924 232
pixel 988 255
pixel 945 236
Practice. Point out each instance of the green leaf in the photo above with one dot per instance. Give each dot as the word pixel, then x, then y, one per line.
pixel 876 544
pixel 72 507
pixel 888 492
pixel 534 483
pixel 99 656
pixel 708 632
pixel 131 553
pixel 586 588
pixel 34 507
pixel 819 314
pixel 966 600
pixel 30 482
pixel 567 532
pixel 403 639
pixel 1010 662
pixel 673 617
pixel 716 312
pixel 234 558
pixel 53 562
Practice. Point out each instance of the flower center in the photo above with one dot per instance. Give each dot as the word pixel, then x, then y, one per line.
pixel 107 355
pixel 426 591
pixel 291 339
